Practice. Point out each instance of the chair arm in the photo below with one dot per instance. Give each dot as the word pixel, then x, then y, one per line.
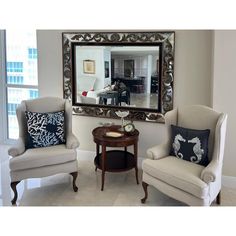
pixel 95 94
pixel 72 142
pixel 158 151
pixel 92 94
pixel 17 149
pixel 211 171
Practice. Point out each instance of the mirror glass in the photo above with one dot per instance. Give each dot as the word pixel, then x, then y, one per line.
pixel 104 72
pixel 117 75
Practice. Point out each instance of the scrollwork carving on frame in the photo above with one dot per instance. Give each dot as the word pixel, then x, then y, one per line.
pixel 166 42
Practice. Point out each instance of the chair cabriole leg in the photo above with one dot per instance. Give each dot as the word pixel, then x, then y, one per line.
pixel 74 175
pixel 218 198
pixel 13 187
pixel 145 185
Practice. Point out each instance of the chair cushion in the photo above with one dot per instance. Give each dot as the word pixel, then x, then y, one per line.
pixel 190 144
pixel 45 129
pixel 46 156
pixel 179 173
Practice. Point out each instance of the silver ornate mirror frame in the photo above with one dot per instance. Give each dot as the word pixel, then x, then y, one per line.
pixel 166 42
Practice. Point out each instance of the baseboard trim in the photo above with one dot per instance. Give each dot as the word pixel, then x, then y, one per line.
pixel 229 181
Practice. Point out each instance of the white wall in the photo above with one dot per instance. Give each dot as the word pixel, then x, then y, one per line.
pixel 224 94
pixel 192 81
pixel 49 44
pixel 193 68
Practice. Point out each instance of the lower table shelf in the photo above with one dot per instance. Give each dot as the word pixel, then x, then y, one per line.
pixel 116 161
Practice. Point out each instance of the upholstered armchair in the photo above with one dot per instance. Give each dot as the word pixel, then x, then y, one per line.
pixel 187 182
pixel 86 83
pixel 43 161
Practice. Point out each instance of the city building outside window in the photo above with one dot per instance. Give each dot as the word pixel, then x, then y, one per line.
pixel 21 74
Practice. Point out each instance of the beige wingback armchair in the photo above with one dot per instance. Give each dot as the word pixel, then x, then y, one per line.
pixel 44 161
pixel 185 181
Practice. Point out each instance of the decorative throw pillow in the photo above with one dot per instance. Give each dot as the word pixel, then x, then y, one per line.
pixel 45 129
pixel 84 93
pixel 190 144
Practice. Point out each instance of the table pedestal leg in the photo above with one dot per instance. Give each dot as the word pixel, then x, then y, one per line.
pixel 97 153
pixel 136 161
pixel 103 165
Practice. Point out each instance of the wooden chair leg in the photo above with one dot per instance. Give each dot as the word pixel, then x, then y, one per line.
pixel 218 198
pixel 74 175
pixel 13 187
pixel 145 185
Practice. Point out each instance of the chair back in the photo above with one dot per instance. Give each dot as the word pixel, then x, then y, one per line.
pixel 43 105
pixel 86 83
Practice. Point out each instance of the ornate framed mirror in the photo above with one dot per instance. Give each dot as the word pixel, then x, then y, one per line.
pixel 104 72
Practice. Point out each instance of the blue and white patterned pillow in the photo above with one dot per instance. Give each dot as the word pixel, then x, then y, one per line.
pixel 45 129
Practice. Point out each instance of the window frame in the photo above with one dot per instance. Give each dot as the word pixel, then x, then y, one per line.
pixel 3 110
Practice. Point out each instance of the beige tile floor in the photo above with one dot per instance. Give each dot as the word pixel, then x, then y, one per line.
pixel 144 100
pixel 120 188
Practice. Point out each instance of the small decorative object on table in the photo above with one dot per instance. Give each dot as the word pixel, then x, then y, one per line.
pixel 122 115
pixel 129 128
pixel 114 134
pixel 106 124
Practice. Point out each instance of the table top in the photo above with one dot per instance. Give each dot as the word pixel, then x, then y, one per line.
pixel 99 137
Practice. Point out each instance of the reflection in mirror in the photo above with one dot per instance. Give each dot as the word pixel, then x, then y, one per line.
pixel 117 75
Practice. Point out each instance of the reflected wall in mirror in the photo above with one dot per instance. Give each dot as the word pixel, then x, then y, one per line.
pixel 134 71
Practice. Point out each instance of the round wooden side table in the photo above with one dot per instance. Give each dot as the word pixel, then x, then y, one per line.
pixel 115 160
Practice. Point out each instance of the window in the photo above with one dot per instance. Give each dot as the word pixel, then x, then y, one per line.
pixel 32 53
pixel 12 108
pixel 14 66
pixel 33 93
pixel 15 79
pixel 21 74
